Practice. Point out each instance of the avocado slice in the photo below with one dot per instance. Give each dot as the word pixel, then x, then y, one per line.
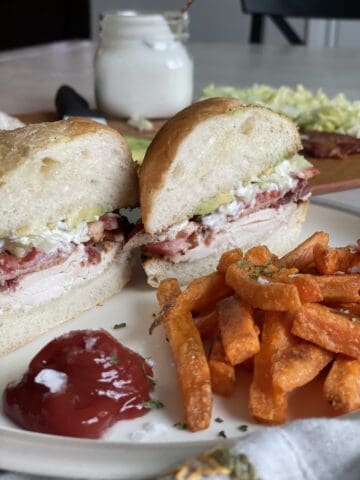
pixel 211 204
pixel 138 147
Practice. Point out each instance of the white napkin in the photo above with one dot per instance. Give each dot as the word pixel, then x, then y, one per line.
pixel 317 449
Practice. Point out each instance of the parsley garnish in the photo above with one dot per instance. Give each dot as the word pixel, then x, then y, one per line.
pixel 151 380
pixel 119 325
pixel 238 464
pixel 243 428
pixel 255 271
pixel 180 425
pixel 244 263
pixel 222 434
pixel 113 359
pixel 153 404
pixel 219 420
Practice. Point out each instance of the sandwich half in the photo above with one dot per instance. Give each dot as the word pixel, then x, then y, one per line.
pixel 219 175
pixel 61 235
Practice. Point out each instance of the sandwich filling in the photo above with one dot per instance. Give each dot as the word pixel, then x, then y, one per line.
pixel 58 256
pixel 256 203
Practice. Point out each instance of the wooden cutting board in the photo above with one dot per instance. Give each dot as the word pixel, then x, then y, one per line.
pixel 335 174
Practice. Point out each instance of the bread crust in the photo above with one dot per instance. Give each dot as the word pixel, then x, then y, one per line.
pixel 16 146
pixel 162 150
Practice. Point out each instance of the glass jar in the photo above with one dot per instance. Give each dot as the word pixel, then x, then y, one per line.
pixel 142 68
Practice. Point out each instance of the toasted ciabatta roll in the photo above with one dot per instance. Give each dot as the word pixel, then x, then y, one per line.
pixel 61 235
pixel 219 175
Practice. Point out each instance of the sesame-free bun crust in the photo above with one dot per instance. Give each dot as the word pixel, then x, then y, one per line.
pixel 59 170
pixel 208 148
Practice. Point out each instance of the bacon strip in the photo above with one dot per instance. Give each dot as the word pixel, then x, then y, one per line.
pixel 329 145
pixel 12 268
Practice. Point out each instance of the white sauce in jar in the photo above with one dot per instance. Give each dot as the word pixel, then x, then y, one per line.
pixel 142 68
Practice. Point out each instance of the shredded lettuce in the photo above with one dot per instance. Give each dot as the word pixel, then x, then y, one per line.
pixel 311 111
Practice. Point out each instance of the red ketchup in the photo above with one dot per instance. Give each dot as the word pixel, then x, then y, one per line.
pixel 80 384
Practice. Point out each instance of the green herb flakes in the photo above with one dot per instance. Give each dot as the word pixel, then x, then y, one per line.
pixel 151 380
pixel 243 428
pixel 244 263
pixel 119 325
pixel 222 434
pixel 219 420
pixel 113 359
pixel 153 404
pixel 180 425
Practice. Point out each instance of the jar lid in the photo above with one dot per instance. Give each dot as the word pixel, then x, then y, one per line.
pixel 134 24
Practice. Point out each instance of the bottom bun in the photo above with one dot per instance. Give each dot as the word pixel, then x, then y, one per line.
pixel 280 240
pixel 19 328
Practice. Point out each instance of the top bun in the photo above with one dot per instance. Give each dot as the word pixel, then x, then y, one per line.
pixel 207 149
pixel 69 170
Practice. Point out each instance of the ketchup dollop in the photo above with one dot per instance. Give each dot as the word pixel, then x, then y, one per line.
pixel 78 385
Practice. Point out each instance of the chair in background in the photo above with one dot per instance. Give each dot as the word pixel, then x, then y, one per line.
pixel 278 9
pixel 25 22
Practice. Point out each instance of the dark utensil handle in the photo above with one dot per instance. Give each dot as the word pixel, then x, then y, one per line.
pixel 69 102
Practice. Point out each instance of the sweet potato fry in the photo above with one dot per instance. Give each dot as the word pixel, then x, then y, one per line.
pixel 308 288
pixel 239 334
pixel 342 385
pixel 248 364
pixel 355 262
pixel 339 288
pixel 347 308
pixel 302 256
pixel 207 324
pixel 227 258
pixel 330 260
pixel 204 292
pixel 260 255
pixel 299 364
pixel 262 293
pixel 168 291
pixel 268 403
pixel 328 329
pixel 221 372
pixel 191 367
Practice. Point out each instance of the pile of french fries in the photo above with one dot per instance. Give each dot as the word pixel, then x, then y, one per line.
pixel 285 318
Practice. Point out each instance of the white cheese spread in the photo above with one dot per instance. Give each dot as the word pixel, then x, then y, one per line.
pixel 59 237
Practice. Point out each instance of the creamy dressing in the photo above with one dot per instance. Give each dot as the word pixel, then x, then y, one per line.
pixel 60 237
pixel 142 69
pixel 283 177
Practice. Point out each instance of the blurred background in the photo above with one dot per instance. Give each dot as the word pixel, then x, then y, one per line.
pixel 41 21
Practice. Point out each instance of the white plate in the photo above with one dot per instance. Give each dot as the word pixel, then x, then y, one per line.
pixel 143 447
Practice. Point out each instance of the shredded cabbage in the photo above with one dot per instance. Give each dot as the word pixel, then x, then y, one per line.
pixel 311 111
